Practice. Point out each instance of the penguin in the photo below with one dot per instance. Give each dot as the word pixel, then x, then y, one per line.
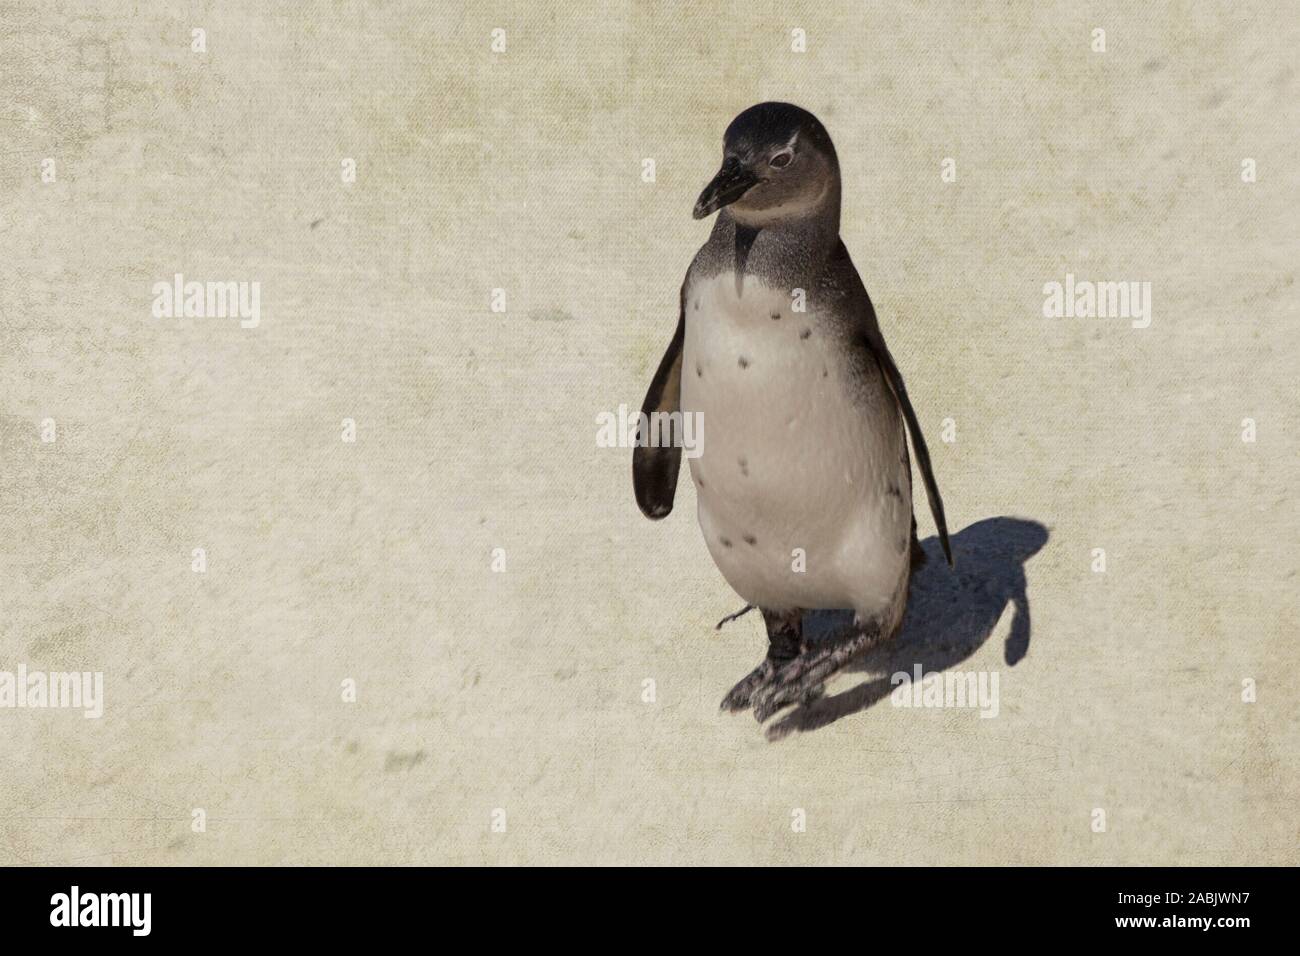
pixel 803 477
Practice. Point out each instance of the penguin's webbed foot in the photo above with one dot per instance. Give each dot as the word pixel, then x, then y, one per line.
pixel 784 642
pixel 739 696
pixel 802 677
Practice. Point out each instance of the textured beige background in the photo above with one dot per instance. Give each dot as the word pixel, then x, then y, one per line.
pixel 522 690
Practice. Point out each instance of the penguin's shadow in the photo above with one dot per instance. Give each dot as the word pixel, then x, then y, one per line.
pixel 951 612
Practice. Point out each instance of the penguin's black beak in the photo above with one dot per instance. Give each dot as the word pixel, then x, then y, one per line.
pixel 732 182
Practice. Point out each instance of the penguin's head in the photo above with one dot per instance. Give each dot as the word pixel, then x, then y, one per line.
pixel 778 165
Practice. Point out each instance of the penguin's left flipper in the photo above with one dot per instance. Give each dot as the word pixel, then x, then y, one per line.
pixel 655 469
pixel 894 377
pixel 800 678
pixel 918 553
pixel 863 313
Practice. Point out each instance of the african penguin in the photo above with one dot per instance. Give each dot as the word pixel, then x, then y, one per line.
pixel 803 477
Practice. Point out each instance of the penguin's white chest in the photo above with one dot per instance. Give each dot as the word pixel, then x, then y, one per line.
pixel 802 479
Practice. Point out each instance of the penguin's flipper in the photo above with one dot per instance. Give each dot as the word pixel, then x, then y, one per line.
pixel 655 469
pixel 918 553
pixel 865 314
pixel 895 379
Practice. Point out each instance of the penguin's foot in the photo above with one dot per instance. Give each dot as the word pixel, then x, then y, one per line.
pixel 738 697
pixel 784 643
pixel 802 677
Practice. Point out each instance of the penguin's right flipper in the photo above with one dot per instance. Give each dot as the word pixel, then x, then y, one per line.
pixel 655 469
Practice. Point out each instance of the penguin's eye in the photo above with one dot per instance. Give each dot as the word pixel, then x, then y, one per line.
pixel 781 159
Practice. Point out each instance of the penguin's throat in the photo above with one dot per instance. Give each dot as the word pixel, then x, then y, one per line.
pixel 744 242
pixel 767 253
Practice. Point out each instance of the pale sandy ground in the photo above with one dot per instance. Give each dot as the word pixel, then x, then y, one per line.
pixel 523 690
